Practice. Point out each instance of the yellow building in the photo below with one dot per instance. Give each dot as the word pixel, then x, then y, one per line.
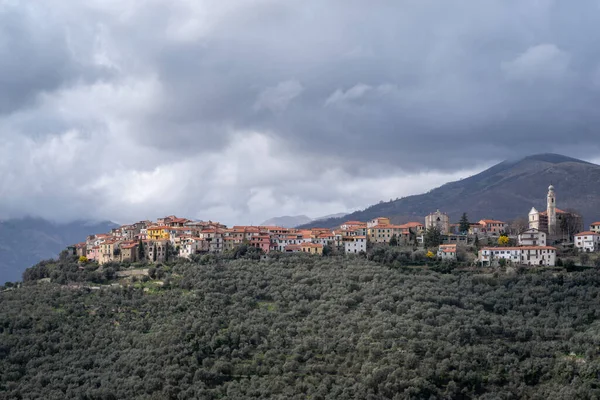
pixel 312 248
pixel 158 232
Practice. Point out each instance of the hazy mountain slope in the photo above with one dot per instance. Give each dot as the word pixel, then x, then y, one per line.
pixel 24 242
pixel 504 191
pixel 293 221
pixel 287 221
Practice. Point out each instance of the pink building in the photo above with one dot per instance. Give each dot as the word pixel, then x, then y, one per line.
pixel 93 253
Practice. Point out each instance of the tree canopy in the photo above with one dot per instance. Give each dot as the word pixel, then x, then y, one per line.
pixel 297 327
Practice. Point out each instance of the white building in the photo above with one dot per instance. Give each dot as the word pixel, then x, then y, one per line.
pixel 355 245
pixel 595 227
pixel 447 252
pixel 191 246
pixel 524 255
pixel 587 241
pixel 532 237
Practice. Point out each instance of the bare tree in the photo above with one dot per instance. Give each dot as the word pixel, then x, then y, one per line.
pixel 518 225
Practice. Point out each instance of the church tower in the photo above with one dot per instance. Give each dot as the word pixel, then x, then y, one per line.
pixel 551 210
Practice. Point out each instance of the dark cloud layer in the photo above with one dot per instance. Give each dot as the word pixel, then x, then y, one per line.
pixel 334 97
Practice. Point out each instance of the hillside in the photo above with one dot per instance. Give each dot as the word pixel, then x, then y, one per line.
pixel 287 221
pixel 505 191
pixel 299 328
pixel 294 221
pixel 26 241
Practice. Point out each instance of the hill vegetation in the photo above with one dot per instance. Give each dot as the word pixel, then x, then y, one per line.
pixel 505 191
pixel 298 327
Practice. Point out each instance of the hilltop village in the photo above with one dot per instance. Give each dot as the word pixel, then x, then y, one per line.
pixel 496 242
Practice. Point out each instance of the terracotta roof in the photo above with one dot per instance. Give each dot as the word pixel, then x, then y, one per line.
pixel 520 248
pixel 595 223
pixel 492 221
pixel 558 211
pixel 312 245
pixel 387 227
pixel 412 225
pixel 293 247
pixel 587 233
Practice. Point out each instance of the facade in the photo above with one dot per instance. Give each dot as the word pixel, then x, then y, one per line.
pixel 595 227
pixel 532 237
pixel 523 255
pixel 492 227
pixel 447 252
pixel 157 250
pixel 587 241
pixel 475 229
pixel 109 251
pixel 384 233
pixel 292 248
pixel 312 248
pixel 355 245
pixel 158 232
pixel 455 239
pixel 129 252
pixel 438 220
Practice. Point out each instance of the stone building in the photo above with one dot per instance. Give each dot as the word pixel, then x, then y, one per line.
pixel 438 220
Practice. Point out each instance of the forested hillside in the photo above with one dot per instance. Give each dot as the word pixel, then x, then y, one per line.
pixel 298 327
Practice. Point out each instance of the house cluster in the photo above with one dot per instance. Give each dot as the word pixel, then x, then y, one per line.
pixel 551 226
pixel 171 236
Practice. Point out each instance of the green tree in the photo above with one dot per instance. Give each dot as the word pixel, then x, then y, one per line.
pixel 433 237
pixel 464 223
pixel 394 240
pixel 476 242
pixel 141 251
pixel 584 259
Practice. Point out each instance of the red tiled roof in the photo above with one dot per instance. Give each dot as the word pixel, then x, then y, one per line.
pixel 587 233
pixel 520 248
pixel 412 225
pixel 492 221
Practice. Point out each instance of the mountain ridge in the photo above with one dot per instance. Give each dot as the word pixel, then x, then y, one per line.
pixel 505 191
pixel 26 241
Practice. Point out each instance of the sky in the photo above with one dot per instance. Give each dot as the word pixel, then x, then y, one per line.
pixel 242 110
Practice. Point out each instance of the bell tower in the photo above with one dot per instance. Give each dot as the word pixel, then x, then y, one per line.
pixel 551 210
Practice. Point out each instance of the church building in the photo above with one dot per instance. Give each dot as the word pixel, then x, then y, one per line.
pixel 558 224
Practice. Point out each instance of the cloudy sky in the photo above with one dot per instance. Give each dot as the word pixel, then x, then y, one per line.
pixel 240 110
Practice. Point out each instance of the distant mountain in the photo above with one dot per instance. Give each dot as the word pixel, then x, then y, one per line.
pixel 505 191
pixel 293 221
pixel 26 241
pixel 287 221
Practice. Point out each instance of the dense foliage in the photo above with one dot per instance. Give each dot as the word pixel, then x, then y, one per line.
pixel 295 327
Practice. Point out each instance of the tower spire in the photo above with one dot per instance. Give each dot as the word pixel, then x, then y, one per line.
pixel 551 210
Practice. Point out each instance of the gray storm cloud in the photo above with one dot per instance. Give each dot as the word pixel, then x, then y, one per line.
pixel 239 110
